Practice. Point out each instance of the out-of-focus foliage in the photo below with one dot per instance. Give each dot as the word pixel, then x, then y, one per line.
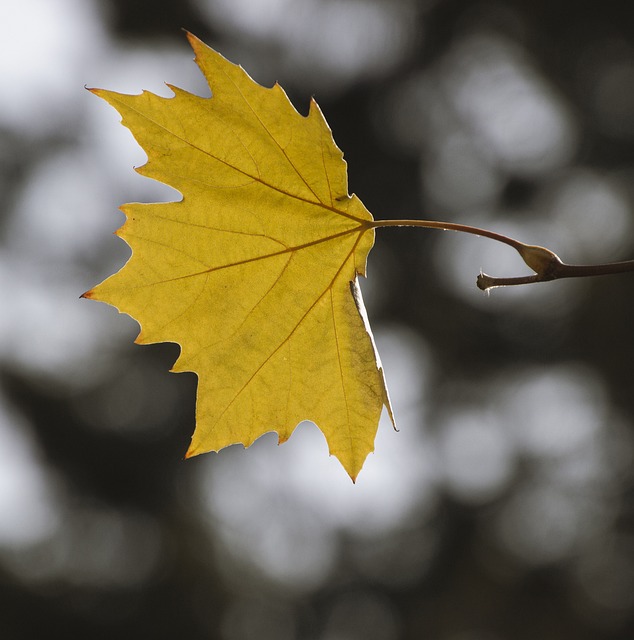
pixel 502 509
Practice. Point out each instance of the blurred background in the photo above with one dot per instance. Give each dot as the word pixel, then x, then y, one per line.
pixel 504 507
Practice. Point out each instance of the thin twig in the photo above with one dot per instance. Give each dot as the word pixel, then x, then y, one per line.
pixel 545 263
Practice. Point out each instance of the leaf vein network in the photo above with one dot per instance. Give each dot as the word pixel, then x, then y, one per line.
pixel 273 138
pixel 242 171
pixel 293 330
pixel 360 230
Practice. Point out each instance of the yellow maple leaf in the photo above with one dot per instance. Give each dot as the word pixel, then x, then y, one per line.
pixel 254 272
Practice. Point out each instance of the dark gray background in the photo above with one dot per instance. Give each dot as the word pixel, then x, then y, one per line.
pixel 502 509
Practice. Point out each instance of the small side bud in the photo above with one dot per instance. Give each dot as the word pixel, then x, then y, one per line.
pixel 542 261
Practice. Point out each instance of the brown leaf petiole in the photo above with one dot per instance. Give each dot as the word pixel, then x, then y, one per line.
pixel 545 263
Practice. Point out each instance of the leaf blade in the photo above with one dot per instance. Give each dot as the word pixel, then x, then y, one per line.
pixel 250 273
